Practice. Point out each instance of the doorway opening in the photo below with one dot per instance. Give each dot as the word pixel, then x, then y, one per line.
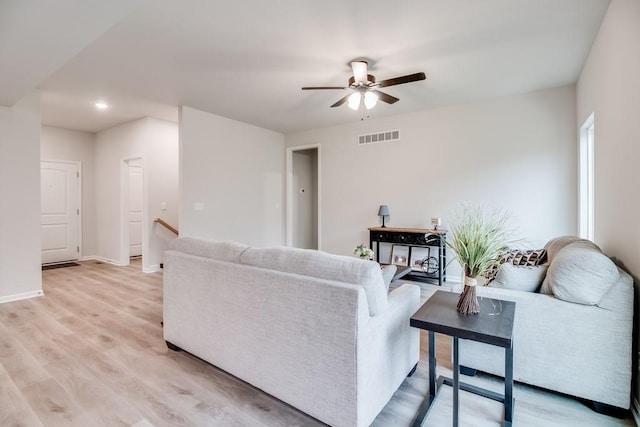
pixel 133 217
pixel 303 197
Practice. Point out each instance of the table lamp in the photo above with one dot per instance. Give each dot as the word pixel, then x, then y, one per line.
pixel 383 211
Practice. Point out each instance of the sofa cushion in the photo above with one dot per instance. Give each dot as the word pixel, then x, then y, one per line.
pixel 553 246
pixel 520 278
pixel 581 274
pixel 322 265
pixel 221 250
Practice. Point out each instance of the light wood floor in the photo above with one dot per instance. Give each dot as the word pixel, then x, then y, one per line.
pixel 91 353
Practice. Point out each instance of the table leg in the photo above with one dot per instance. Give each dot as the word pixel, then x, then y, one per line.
pixel 508 387
pixel 456 382
pixel 432 366
pixel 440 260
pixel 377 251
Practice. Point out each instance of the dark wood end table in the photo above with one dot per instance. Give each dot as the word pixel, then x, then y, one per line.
pixel 493 325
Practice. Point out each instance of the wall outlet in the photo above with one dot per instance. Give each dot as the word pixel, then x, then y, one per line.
pixel 198 206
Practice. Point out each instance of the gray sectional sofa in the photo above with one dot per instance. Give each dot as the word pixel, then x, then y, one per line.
pixel 315 330
pixel 575 336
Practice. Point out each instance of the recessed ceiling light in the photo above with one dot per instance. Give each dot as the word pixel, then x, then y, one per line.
pixel 100 105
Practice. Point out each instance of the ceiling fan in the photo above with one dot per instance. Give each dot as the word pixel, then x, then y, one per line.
pixel 365 88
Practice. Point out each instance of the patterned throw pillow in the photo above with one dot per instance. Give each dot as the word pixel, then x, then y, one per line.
pixel 530 258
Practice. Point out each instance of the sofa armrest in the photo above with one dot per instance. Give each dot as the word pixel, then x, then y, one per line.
pixel 388 348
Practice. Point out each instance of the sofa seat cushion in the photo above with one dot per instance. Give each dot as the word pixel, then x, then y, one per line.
pixel 220 250
pixel 581 274
pixel 322 265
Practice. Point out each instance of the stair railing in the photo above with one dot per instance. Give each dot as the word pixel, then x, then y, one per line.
pixel 166 225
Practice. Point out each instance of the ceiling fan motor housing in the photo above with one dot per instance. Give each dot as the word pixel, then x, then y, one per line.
pixel 370 80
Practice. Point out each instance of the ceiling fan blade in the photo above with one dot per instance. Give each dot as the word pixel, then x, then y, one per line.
pixel 386 97
pixel 323 87
pixel 341 101
pixel 359 71
pixel 401 80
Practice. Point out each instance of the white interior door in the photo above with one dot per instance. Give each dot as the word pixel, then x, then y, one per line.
pixel 135 209
pixel 60 211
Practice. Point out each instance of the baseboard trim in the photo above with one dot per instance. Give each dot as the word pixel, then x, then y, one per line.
pixel 23 295
pixel 635 411
pixel 152 269
pixel 101 259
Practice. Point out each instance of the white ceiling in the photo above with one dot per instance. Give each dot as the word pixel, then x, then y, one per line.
pixel 248 59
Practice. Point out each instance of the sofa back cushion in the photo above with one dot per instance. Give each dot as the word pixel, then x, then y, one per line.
pixel 322 265
pixel 580 273
pixel 220 250
pixel 555 245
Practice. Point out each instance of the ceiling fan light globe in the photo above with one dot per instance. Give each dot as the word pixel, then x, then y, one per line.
pixel 370 100
pixel 354 101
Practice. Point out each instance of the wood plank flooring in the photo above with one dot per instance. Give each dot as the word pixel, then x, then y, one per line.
pixel 91 353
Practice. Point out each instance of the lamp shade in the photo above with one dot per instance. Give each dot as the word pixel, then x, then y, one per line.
pixel 383 210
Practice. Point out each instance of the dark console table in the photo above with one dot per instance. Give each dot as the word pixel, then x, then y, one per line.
pixel 413 237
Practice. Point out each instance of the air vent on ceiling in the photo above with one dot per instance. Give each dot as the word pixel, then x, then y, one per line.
pixel 373 138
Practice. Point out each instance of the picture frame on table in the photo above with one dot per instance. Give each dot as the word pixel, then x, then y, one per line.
pixel 418 254
pixel 400 255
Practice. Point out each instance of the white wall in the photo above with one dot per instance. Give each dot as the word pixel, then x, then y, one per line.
pixel 71 145
pixel 161 163
pixel 517 152
pixel 156 142
pixel 609 86
pixel 235 172
pixel 20 274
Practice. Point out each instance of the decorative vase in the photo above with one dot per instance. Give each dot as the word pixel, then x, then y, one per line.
pixel 468 302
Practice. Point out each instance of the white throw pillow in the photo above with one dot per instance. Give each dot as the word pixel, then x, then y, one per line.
pixel 520 278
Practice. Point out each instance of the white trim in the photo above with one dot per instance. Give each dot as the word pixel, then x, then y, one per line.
pixel 102 259
pixel 289 191
pixel 80 179
pixel 152 269
pixel 586 180
pixel 21 296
